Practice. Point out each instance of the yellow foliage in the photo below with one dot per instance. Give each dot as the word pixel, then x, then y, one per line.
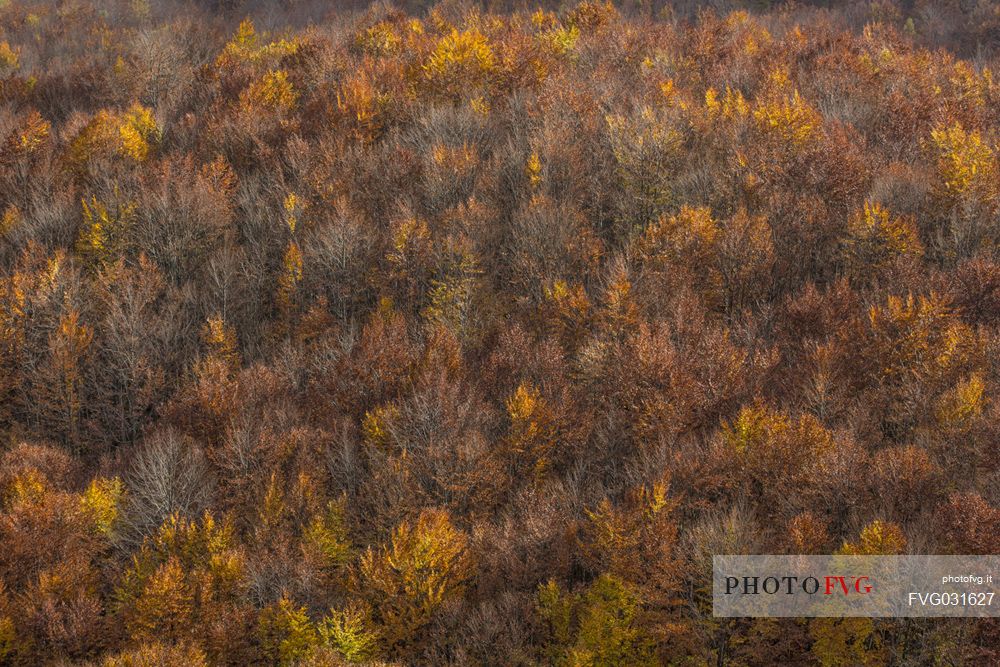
pixel 557 609
pixel 293 264
pixel 11 216
pixel 425 565
pixel 753 428
pixel 460 60
pixel 712 101
pixel 68 344
pixel 350 633
pixel 571 309
pixel 165 606
pixel 375 426
pixel 273 506
pixel 970 86
pixel 245 46
pixel 131 134
pixel 291 275
pixel 101 503
pixel 734 105
pixel 480 105
pixel 452 157
pixel 379 40
pixel 533 170
pixel 601 627
pixel 843 642
pixel 792 120
pixel 779 78
pixel 450 296
pixel 646 147
pixel 220 338
pixel 408 237
pixel 362 105
pixel 691 231
pixel 561 40
pixel 879 538
pixel 620 310
pixel 618 539
pixel 962 403
pixel 571 298
pixel 103 234
pixel 544 20
pixel 137 129
pixel 272 91
pixel 326 535
pixel 26 488
pixel 35 132
pixel 286 633
pixel 203 550
pixel 965 162
pixel 957 343
pixel 192 540
pixel 532 431
pixel 8 637
pixel 99 135
pixel 919 339
pixel 292 208
pixel 685 244
pixel 177 575
pixel 9 61
pixel 521 406
pixel 874 236
pixel 245 38
pixel 669 91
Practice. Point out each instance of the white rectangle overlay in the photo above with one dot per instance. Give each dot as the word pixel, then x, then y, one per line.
pixel 861 586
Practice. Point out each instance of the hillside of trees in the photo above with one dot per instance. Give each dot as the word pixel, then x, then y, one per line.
pixel 465 334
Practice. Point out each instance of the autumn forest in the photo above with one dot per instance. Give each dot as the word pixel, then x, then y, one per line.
pixel 466 333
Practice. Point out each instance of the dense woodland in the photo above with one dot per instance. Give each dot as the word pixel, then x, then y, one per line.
pixel 465 335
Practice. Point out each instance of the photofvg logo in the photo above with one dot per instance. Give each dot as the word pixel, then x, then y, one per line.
pixel 869 586
pixel 793 585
